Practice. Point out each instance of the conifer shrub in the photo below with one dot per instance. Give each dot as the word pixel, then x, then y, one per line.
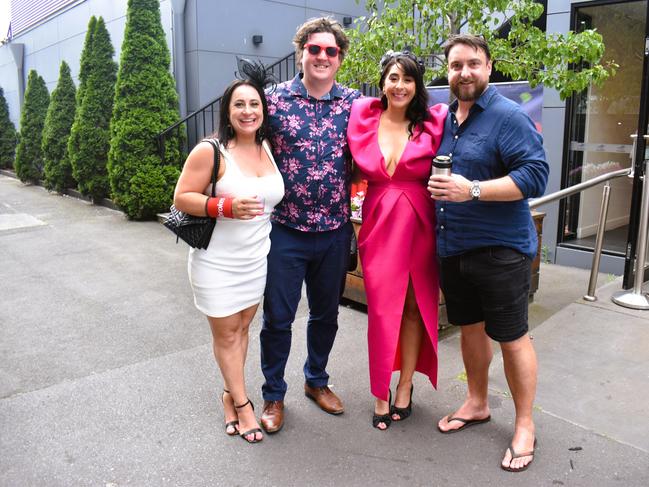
pixel 29 156
pixel 84 67
pixel 8 136
pixel 91 128
pixel 58 122
pixel 146 103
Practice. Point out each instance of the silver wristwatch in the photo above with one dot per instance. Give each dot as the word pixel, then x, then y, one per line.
pixel 474 191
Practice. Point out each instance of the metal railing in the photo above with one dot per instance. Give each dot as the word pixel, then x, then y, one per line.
pixel 601 225
pixel 204 121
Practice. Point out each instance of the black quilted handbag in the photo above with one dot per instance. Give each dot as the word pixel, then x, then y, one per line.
pixel 195 230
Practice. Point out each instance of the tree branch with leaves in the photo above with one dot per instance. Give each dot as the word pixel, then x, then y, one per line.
pixel 567 62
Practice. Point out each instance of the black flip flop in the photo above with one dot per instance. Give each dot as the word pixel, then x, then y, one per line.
pixel 467 423
pixel 519 455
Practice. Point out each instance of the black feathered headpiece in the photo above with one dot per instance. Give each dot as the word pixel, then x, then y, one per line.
pixel 256 73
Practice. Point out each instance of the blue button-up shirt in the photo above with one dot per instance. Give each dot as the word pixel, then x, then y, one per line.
pixel 497 139
pixel 309 138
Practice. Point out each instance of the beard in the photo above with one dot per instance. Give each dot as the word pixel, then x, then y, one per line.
pixel 468 92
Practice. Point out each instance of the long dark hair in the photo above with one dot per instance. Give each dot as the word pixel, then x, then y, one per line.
pixel 253 74
pixel 417 110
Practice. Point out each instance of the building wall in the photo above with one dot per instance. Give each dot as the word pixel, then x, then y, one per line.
pixel 216 34
pixel 216 31
pixel 60 38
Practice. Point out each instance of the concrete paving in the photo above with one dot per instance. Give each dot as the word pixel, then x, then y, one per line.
pixel 107 377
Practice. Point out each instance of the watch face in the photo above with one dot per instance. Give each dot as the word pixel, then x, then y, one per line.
pixel 475 191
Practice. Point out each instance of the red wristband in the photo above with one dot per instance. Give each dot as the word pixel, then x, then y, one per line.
pixel 212 207
pixel 227 207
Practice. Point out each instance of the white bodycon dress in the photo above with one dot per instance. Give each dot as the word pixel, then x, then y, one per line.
pixel 230 275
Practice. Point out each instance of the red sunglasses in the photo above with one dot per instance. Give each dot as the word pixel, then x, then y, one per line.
pixel 315 49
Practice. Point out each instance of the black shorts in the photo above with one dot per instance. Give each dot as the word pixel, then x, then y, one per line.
pixel 489 284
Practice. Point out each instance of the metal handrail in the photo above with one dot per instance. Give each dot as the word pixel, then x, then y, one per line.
pixel 601 225
pixel 578 188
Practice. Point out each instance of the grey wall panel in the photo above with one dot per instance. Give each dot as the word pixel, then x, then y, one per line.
pixel 191 33
pixel 230 28
pixel 558 6
pixel 9 83
pixel 553 123
pixel 193 67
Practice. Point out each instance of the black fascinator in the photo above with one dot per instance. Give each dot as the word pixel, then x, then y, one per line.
pixel 256 73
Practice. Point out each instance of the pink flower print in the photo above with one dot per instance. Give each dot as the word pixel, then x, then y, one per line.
pixel 305 145
pixel 301 190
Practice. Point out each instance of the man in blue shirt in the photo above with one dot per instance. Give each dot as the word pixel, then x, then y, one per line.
pixel 486 238
pixel 310 238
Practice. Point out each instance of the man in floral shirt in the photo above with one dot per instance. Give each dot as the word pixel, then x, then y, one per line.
pixel 311 231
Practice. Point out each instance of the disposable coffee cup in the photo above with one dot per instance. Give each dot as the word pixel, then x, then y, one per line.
pixel 441 166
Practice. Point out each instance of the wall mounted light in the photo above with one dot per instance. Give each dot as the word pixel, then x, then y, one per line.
pixel 347 21
pixel 257 39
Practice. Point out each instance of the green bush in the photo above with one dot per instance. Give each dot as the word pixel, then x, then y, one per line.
pixel 8 138
pixel 84 67
pixel 29 156
pixel 91 127
pixel 58 122
pixel 146 103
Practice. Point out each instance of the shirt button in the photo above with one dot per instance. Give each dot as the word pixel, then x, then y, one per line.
pixel 441 227
pixel 441 210
pixel 450 154
pixel 456 136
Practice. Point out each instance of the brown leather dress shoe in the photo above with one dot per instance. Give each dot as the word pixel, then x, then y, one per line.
pixel 325 399
pixel 272 418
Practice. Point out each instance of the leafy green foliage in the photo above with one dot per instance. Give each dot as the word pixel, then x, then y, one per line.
pixel 90 131
pixel 146 103
pixel 58 122
pixel 84 68
pixel 29 156
pixel 8 136
pixel 567 62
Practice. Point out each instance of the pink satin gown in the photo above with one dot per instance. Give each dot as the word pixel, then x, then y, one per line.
pixel 397 240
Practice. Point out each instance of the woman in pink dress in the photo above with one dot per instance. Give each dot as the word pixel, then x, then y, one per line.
pixel 393 141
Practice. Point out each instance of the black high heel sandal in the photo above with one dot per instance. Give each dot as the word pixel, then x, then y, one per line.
pixel 234 423
pixel 253 431
pixel 403 412
pixel 383 418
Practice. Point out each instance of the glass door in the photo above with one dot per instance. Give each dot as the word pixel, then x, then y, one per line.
pixel 641 155
pixel 600 124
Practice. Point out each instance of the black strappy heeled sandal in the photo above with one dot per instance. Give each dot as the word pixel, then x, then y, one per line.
pixel 253 431
pixel 234 423
pixel 383 418
pixel 403 412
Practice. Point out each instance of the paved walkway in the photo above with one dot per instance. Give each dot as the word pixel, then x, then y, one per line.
pixel 107 377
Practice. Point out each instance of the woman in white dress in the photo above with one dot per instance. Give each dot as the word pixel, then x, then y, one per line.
pixel 228 278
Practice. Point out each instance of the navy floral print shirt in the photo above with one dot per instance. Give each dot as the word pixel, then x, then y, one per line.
pixel 309 139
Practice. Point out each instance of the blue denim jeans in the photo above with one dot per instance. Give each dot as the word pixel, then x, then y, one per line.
pixel 319 259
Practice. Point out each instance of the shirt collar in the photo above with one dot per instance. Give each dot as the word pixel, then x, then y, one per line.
pixel 298 89
pixel 481 102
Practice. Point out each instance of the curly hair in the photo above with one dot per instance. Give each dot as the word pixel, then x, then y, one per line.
pixel 314 26
pixel 417 111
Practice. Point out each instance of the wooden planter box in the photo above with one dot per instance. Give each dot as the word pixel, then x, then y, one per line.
pixel 355 289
